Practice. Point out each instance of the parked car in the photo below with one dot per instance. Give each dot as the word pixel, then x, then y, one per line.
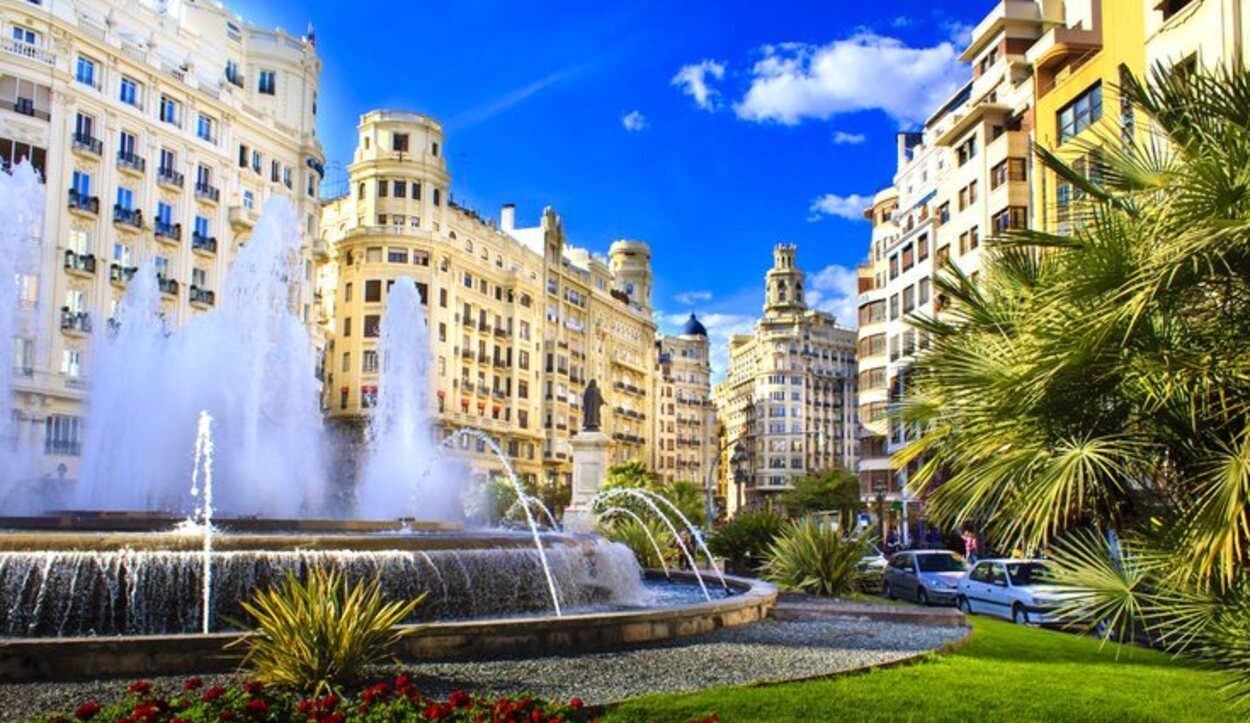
pixel 872 573
pixel 925 576
pixel 1013 589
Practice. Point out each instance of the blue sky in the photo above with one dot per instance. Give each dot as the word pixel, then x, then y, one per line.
pixel 711 130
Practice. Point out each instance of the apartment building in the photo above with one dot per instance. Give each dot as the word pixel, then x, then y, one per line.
pixel 787 403
pixel 961 179
pixel 160 129
pixel 685 434
pixel 519 320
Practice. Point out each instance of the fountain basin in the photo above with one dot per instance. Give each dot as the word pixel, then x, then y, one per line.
pixel 149 655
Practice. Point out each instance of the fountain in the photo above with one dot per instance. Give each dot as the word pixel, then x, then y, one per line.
pixel 249 361
pixel 229 401
pixel 21 203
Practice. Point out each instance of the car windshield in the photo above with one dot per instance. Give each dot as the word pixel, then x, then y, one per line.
pixel 940 563
pixel 1027 573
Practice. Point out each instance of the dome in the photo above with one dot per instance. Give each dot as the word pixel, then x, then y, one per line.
pixel 693 327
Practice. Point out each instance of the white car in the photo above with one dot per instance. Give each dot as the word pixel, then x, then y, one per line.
pixel 1013 589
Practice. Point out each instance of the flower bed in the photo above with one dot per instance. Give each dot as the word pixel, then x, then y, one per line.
pixel 392 700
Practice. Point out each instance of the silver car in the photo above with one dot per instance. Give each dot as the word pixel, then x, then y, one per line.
pixel 925 576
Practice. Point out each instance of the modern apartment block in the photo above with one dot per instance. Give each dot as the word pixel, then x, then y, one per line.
pixel 1044 72
pixel 787 403
pixel 160 129
pixel 685 430
pixel 519 320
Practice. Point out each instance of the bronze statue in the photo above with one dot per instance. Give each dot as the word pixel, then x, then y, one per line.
pixel 592 400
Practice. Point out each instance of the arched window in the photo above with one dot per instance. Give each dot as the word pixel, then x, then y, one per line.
pixel 360 192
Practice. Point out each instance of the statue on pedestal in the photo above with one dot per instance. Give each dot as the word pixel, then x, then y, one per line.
pixel 592 400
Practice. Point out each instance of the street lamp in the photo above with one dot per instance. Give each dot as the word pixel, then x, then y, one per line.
pixel 737 464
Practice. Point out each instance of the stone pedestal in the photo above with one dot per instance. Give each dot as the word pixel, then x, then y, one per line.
pixel 590 467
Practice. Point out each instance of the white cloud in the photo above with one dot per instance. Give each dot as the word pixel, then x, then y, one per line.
pixel 634 121
pixel 901 21
pixel 693 81
pixel 795 82
pixel 835 289
pixel 690 298
pixel 959 33
pixel 849 207
pixel 843 138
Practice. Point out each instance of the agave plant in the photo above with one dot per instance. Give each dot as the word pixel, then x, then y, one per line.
pixel 815 558
pixel 643 539
pixel 1100 379
pixel 321 633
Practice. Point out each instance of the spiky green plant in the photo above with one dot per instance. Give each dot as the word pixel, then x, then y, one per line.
pixel 643 539
pixel 321 633
pixel 1100 379
pixel 814 558
pixel 745 538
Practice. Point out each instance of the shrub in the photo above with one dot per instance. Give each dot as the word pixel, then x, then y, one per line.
pixel 745 538
pixel 319 634
pixel 390 700
pixel 816 559
pixel 639 540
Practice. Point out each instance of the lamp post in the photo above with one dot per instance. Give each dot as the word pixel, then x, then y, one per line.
pixel 735 461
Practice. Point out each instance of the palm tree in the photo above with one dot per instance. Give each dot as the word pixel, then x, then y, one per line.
pixel 1100 380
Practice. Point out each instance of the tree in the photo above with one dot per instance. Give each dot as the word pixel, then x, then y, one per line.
pixel 686 496
pixel 836 490
pixel 1100 381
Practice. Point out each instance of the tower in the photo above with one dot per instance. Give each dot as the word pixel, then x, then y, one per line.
pixel 784 283
pixel 630 262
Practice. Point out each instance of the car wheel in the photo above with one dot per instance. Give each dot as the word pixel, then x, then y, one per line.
pixel 922 597
pixel 1018 615
pixel 889 592
pixel 965 605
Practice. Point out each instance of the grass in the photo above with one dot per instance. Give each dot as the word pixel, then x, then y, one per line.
pixel 1007 673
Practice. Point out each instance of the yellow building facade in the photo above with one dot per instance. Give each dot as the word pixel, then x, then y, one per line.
pixel 519 321
pixel 161 129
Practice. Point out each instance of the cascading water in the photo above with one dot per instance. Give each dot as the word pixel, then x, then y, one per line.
pixel 396 479
pixel 249 362
pixel 21 213
pixel 70 593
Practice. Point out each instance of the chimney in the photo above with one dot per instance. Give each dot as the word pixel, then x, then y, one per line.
pixel 507 218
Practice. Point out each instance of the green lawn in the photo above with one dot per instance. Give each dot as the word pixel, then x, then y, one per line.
pixel 1007 673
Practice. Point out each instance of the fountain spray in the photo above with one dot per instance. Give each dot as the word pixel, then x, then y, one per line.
pixel 204 462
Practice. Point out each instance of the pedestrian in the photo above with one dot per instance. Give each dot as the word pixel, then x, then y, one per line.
pixel 891 541
pixel 971 545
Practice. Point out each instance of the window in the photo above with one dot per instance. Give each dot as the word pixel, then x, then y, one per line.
pixel 169 110
pixel 25 35
pixel 894 307
pixel 383 188
pixel 369 361
pixel 373 291
pixel 268 82
pixel 204 128
pixel 373 325
pixel 399 142
pixel 85 72
pixel 922 291
pixel 256 162
pixel 401 189
pixel 373 255
pixel 347 326
pixel 944 212
pixel 125 198
pixel 169 161
pixel 1171 7
pixel 966 150
pixel 397 256
pixel 275 171
pixel 249 200
pixel 347 362
pixel 436 197
pixel 909 300
pixel 201 227
pixel 232 73
pixel 1081 113
pixel 81 184
pixel 130 92
pixel 62 435
pixel 244 154
pixel 1013 217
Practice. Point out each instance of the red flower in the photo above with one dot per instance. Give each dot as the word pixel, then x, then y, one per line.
pixel 537 716
pixel 304 706
pixel 335 717
pixel 257 708
pixel 213 694
pixel 227 715
pixel 255 687
pixel 140 687
pixel 460 699
pixel 87 710
pixel 328 702
pixel 576 703
pixel 192 684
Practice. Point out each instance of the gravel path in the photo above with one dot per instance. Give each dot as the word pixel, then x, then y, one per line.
pixel 769 651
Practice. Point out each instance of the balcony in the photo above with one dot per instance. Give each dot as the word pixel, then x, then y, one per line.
pixel 501 332
pixel 132 217
pixel 168 286
pixel 466 353
pixel 202 297
pixel 205 192
pixel 203 244
pixel 75 322
pixel 27 50
pixel 121 275
pixel 80 264
pixel 171 232
pixel 242 217
pixel 26 107
pixel 130 162
pixel 84 204
pixel 87 144
pixel 169 177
